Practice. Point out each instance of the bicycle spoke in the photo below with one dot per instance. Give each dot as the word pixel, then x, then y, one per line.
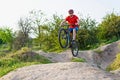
pixel 63 38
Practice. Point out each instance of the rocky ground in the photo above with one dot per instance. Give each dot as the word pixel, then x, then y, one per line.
pixel 59 71
pixel 63 69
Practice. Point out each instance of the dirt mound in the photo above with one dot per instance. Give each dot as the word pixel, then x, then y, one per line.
pixel 100 57
pixel 107 54
pixel 59 71
pixel 55 57
pixel 93 69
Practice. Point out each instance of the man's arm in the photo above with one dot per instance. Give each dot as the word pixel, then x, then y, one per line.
pixel 62 22
pixel 78 22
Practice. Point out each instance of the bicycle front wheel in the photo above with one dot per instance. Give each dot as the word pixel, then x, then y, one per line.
pixel 63 38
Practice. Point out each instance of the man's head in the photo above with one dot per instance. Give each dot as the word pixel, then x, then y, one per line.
pixel 71 12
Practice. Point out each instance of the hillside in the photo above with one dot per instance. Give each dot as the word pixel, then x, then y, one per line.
pixel 59 71
pixel 63 69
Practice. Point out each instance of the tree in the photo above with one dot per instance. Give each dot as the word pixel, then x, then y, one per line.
pixel 25 26
pixel 19 41
pixel 54 26
pixel 109 27
pixel 6 35
pixel 38 19
pixel 1 41
pixel 49 34
pixel 87 34
pixel 22 38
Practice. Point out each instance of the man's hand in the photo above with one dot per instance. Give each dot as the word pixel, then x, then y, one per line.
pixel 62 23
pixel 76 24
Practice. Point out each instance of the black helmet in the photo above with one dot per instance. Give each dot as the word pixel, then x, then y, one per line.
pixel 71 11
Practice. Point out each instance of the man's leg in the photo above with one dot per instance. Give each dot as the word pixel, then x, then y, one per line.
pixel 74 34
pixel 71 33
pixel 71 36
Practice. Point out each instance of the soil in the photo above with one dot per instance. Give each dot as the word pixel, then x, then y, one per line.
pixel 63 69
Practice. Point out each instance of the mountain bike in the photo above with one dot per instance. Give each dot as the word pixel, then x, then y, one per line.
pixel 65 40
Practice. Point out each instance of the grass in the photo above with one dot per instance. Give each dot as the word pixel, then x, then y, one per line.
pixel 5 69
pixel 115 64
pixel 2 54
pixel 99 51
pixel 23 57
pixel 4 47
pixel 78 60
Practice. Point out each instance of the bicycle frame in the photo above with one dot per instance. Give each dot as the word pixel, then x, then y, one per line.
pixel 68 39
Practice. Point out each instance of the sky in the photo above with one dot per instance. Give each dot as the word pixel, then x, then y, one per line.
pixel 12 10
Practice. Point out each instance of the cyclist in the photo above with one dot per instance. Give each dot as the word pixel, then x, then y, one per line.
pixel 73 22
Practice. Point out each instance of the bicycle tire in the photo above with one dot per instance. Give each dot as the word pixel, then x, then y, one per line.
pixel 74 49
pixel 63 38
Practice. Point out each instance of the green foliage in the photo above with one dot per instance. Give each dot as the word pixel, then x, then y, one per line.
pixel 23 57
pixel 6 36
pixel 22 37
pixel 109 28
pixel 2 54
pixel 1 41
pixel 38 20
pixel 20 41
pixel 49 35
pixel 87 34
pixel 115 64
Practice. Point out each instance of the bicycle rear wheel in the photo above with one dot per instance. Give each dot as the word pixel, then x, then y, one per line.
pixel 63 38
pixel 74 48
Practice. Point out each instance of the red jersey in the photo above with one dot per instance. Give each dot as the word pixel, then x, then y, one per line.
pixel 72 20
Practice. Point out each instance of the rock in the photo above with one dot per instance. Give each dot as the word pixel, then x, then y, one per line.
pixel 105 56
pixel 59 71
pixel 57 57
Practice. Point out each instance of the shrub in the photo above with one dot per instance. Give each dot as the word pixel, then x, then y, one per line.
pixel 20 58
pixel 115 64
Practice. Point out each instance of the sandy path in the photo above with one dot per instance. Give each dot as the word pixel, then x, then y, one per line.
pixel 64 69
pixel 59 71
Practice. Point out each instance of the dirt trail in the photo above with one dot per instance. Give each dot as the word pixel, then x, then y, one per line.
pixel 59 71
pixel 101 57
pixel 54 57
pixel 63 69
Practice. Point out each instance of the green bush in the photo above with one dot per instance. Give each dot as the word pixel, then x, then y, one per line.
pixel 109 29
pixel 20 58
pixel 115 64
pixel 87 37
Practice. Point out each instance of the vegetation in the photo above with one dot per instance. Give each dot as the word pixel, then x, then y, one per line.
pixel 115 64
pixel 90 35
pixel 99 51
pixel 6 36
pixel 23 57
pixel 109 29
pixel 78 60
pixel 87 34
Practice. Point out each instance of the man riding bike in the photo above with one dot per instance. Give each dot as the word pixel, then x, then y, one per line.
pixel 73 22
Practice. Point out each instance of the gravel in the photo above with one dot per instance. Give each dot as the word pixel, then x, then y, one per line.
pixel 59 71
